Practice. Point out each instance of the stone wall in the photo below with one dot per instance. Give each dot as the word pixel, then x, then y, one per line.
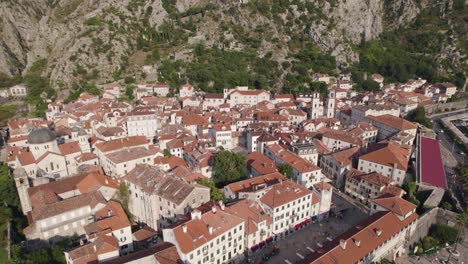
pixel 434 216
pixel 433 108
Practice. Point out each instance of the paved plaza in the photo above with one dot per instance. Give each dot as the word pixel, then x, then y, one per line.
pixel 297 245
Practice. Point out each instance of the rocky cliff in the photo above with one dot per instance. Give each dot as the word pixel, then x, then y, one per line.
pixel 96 39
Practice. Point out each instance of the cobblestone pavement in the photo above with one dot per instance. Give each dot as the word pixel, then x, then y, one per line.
pixel 299 244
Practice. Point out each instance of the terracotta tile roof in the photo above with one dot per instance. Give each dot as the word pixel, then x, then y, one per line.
pixel 249 185
pixel 41 211
pixel 393 190
pixel 260 163
pixel 175 143
pixel 346 157
pixel 389 156
pixel 189 120
pixel 86 157
pixel 120 143
pixel 321 147
pixel 172 161
pixel 110 218
pixel 165 185
pixel 69 148
pixel 197 233
pixel 94 181
pixel 284 192
pixel 144 233
pixel 395 204
pixel 84 254
pixel 125 155
pixel 284 96
pixel 299 164
pixel 393 121
pixel 323 186
pixel 365 233
pixel 249 92
pixel 252 212
pixel 373 177
pixel 344 136
pixel 165 253
pixel 26 158
pixel 214 96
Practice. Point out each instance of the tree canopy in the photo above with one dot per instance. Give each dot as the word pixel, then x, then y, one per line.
pixel 228 167
pixel 418 115
pixel 215 193
pixel 287 171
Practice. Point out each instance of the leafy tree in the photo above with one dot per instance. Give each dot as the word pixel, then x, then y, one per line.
pixel 78 89
pixel 429 242
pixel 446 206
pixel 444 233
pixel 287 171
pixel 215 193
pixel 129 80
pixel 129 92
pixel 123 196
pixel 167 153
pixel 228 167
pixel 52 255
pixel 320 87
pixel 10 209
pixel 418 115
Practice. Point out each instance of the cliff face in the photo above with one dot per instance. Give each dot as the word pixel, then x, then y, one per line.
pixel 353 21
pixel 96 38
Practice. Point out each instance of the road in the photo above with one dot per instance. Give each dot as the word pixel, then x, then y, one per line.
pixel 445 139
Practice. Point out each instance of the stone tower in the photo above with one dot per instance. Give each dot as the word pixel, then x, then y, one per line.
pixel 330 105
pixel 22 185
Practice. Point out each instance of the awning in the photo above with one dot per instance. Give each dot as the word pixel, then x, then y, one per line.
pixel 254 248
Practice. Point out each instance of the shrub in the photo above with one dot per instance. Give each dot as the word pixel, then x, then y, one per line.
pixel 444 233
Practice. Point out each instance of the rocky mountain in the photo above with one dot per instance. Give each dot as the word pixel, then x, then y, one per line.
pixel 102 40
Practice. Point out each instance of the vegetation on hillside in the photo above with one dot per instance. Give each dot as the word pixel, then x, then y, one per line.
pixel 415 51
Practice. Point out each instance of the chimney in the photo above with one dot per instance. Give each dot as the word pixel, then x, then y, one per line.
pixel 109 213
pixel 213 209
pixel 195 214
pixel 221 205
pixel 184 228
pixel 378 232
pixel 357 242
pixel 210 229
pixel 343 244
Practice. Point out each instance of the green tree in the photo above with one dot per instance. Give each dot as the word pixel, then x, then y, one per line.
pixel 123 196
pixel 444 233
pixel 167 153
pixel 129 92
pixel 228 167
pixel 418 115
pixel 287 171
pixel 215 193
pixel 10 209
